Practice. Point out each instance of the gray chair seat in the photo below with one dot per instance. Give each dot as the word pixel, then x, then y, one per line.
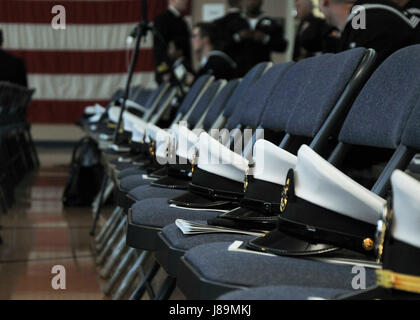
pixel 215 263
pixel 157 213
pixel 120 166
pixel 131 171
pixel 133 181
pixel 176 239
pixel 284 293
pixel 150 192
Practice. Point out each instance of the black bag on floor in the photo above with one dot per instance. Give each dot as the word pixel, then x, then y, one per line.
pixel 85 174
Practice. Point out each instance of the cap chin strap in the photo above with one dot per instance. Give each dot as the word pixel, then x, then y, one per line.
pixel 392 280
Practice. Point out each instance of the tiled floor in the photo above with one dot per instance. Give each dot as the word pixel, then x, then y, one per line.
pixel 39 233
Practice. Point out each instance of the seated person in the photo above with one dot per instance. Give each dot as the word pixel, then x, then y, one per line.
pixel 213 61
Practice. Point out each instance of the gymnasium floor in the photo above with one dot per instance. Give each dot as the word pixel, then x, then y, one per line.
pixel 38 234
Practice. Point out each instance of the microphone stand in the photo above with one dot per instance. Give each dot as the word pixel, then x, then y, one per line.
pixel 143 28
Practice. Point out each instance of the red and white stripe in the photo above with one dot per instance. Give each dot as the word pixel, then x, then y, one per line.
pixel 81 65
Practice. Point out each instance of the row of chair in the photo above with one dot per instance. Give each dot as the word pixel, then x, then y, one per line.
pixel 18 155
pixel 324 119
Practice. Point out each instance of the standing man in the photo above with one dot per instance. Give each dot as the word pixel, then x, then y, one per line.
pixel 172 26
pixel 387 27
pixel 229 29
pixel 314 35
pixel 12 69
pixel 266 35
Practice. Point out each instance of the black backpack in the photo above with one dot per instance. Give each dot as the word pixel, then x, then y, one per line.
pixel 85 174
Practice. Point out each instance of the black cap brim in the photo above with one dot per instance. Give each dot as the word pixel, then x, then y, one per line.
pixel 193 200
pixel 282 244
pixel 171 183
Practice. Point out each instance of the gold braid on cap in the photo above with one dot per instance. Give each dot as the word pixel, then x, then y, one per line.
pixel 285 196
pixel 399 281
pixel 194 161
pixel 246 181
pixel 384 225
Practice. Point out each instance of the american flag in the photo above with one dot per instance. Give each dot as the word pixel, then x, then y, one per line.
pixel 81 65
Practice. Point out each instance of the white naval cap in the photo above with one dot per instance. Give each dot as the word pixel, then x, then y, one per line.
pixel 177 140
pixel 320 183
pixel 217 159
pixel 272 163
pixel 95 110
pixel 95 118
pixel 406 203
pixel 187 141
pixel 114 114
pixel 163 140
pixel 139 132
pixel 129 120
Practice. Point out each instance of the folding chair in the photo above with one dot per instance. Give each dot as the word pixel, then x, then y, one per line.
pixel 330 105
pixel 158 214
pixel 377 119
pixel 356 63
pixel 399 246
pixel 213 117
pixel 136 181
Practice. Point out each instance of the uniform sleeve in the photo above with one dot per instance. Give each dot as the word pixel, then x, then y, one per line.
pixel 160 48
pixel 379 36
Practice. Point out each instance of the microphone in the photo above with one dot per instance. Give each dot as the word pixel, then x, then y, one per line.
pixel 134 33
pixel 145 14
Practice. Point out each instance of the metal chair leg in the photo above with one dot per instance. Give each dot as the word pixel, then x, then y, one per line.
pixel 131 275
pixel 108 191
pixel 145 283
pixel 97 210
pixel 113 258
pixel 110 243
pixel 108 224
pixel 108 234
pixel 166 289
pixel 131 253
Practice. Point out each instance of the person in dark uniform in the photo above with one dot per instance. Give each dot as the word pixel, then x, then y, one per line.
pixel 229 29
pixel 12 69
pixel 387 27
pixel 266 36
pixel 171 25
pixel 314 35
pixel 213 61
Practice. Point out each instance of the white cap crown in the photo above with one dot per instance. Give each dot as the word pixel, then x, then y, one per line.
pixel 406 203
pixel 217 159
pixel 320 183
pixel 272 163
